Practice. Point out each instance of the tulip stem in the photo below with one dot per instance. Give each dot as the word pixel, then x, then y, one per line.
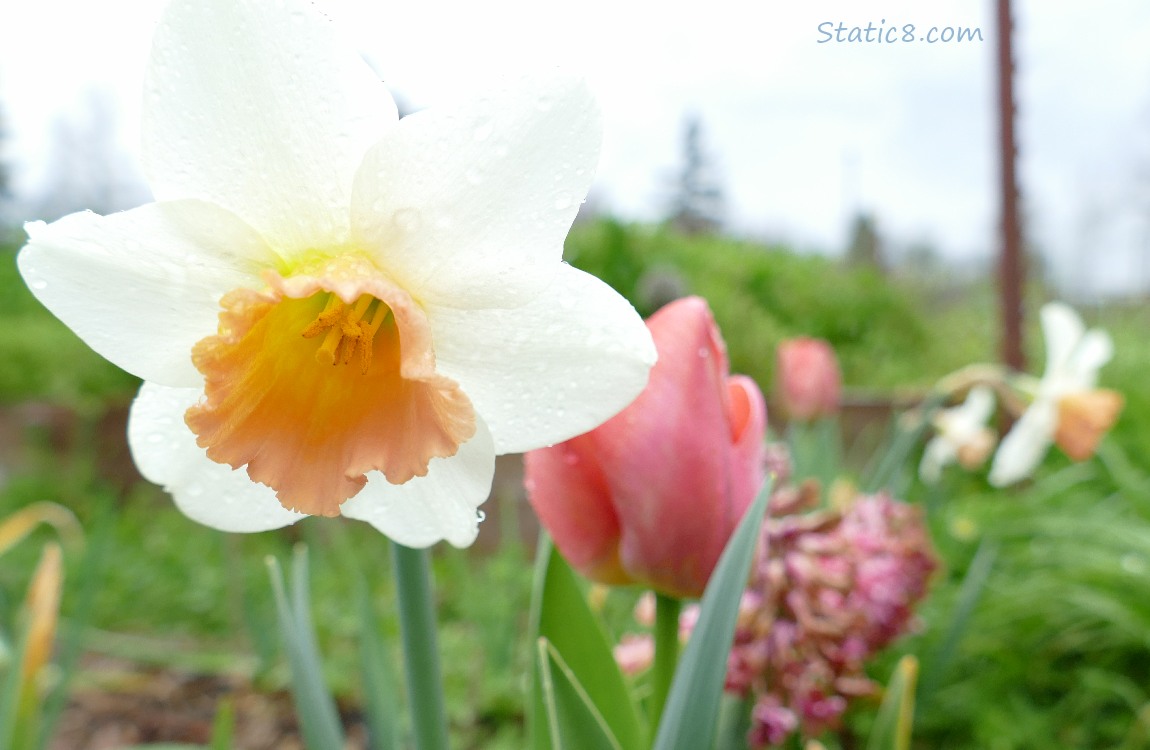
pixel 420 650
pixel 666 654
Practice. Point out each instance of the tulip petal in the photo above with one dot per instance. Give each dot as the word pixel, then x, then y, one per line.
pixel 550 370
pixel 468 206
pixel 164 263
pixel 259 108
pixel 213 494
pixel 566 488
pixel 439 506
pixel 747 412
pixel 669 455
pixel 1023 448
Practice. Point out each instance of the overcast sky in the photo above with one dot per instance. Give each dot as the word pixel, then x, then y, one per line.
pixel 804 133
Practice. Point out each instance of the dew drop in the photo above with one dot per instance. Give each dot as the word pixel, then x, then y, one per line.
pixel 407 219
pixel 562 202
pixel 38 285
pixel 480 516
pixel 703 352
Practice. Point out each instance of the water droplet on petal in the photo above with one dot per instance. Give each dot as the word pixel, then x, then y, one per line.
pixel 407 219
pixel 38 285
pixel 703 352
pixel 562 202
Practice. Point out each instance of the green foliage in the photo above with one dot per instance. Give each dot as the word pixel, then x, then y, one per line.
pixel 761 295
pixel 576 661
pixel 1056 645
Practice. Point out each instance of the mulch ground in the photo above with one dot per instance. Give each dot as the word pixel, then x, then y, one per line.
pixel 115 704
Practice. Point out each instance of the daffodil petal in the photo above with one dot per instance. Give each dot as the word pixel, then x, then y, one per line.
pixel 938 453
pixel 1094 350
pixel 977 408
pixel 439 506
pixel 260 108
pixel 468 206
pixel 1025 445
pixel 142 286
pixel 213 494
pixel 1062 329
pixel 555 368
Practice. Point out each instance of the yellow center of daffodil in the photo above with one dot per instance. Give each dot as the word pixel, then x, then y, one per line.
pixel 348 329
pixel 322 377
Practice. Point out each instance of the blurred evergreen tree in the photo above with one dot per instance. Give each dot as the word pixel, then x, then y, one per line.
pixel 698 203
pixel 865 249
pixel 87 167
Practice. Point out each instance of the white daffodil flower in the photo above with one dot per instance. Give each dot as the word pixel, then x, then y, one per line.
pixel 1067 409
pixel 336 311
pixel 961 435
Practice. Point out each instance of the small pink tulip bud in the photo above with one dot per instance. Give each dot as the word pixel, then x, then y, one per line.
pixel 808 381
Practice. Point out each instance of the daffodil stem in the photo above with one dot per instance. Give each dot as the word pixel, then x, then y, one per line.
pixel 666 654
pixel 420 649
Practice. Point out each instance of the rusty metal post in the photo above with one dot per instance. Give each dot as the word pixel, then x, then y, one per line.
pixel 1011 272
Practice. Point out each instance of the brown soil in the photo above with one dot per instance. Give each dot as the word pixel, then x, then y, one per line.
pixel 115 704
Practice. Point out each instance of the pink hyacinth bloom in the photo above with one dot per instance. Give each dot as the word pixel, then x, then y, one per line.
pixel 651 496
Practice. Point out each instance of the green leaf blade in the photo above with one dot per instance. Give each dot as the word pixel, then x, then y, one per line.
pixel 560 614
pixel 573 720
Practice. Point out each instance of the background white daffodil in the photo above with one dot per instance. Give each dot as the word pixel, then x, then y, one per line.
pixel 323 294
pixel 1067 408
pixel 961 435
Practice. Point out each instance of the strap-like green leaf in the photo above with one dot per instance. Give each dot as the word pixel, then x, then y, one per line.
pixel 224 726
pixel 559 613
pixel 315 706
pixel 381 697
pixel 573 721
pixel 892 728
pixel 692 711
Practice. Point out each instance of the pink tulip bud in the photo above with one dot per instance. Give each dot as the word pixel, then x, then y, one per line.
pixel 808 381
pixel 651 496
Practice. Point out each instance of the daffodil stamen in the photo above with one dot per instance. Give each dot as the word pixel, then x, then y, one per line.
pixel 348 330
pixel 325 355
pixel 326 319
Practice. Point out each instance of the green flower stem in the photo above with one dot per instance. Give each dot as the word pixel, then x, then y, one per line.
pixel 666 654
pixel 420 650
